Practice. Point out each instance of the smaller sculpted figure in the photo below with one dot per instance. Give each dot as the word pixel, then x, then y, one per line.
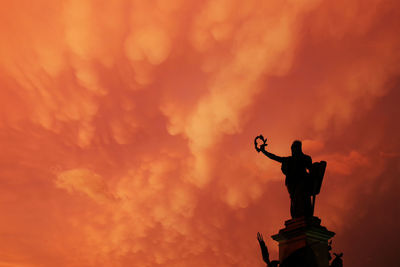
pixel 337 261
pixel 265 253
pixel 303 178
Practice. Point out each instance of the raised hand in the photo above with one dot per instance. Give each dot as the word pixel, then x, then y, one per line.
pixel 263 144
pixel 260 238
pixel 262 147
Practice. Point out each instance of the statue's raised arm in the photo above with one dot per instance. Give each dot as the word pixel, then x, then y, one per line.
pixel 272 156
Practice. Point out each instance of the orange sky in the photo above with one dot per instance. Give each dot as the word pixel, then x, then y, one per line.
pixel 126 128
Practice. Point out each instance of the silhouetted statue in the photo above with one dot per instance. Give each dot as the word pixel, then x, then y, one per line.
pixel 265 253
pixel 303 178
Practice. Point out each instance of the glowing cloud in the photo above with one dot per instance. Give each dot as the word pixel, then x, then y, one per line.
pixel 126 127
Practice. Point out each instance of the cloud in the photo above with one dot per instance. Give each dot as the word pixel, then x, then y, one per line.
pixel 346 164
pixel 127 126
pixel 84 181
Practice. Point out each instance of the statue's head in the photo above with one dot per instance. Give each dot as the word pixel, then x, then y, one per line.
pixel 296 148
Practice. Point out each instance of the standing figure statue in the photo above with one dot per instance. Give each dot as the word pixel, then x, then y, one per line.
pixel 265 253
pixel 303 178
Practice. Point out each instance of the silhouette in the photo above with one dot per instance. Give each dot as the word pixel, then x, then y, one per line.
pixel 265 253
pixel 303 178
pixel 337 261
pixel 303 242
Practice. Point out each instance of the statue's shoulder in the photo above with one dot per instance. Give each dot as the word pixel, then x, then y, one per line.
pixel 307 157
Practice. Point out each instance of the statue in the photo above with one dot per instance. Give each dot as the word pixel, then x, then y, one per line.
pixel 265 253
pixel 304 241
pixel 337 261
pixel 303 178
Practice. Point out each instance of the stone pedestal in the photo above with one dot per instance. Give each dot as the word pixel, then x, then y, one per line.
pixel 304 236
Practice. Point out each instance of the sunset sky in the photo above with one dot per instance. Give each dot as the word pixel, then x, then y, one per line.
pixel 127 128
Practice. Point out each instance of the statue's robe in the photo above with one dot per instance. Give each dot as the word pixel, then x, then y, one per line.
pixel 298 184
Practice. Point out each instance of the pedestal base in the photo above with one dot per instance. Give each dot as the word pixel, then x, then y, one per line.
pixel 305 242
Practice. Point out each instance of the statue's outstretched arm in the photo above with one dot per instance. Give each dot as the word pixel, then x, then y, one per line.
pixel 271 156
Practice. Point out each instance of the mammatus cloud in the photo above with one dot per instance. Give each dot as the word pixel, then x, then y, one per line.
pixel 126 127
pixel 85 181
